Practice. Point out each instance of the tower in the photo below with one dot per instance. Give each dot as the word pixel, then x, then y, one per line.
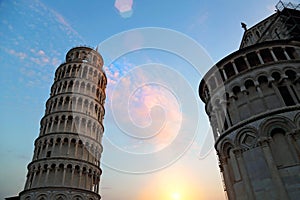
pixel 252 99
pixel 66 160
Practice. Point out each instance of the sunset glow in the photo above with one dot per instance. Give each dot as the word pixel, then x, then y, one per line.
pixel 176 196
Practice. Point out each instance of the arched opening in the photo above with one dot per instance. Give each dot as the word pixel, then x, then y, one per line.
pixel 236 90
pixel 281 148
pixel 262 80
pixel 276 76
pixel 250 87
pixel 291 74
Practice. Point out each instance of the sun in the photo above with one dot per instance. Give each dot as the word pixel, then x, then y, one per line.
pixel 176 196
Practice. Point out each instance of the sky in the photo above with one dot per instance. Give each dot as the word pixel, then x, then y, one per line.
pixel 157 141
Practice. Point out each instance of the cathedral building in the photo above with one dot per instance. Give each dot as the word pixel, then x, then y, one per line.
pixel 252 99
pixel 66 160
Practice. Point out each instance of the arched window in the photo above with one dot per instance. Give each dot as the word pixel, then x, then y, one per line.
pixel 233 164
pixel 291 74
pixel 228 154
pixel 84 73
pixel 263 84
pixel 73 70
pixel 276 76
pixel 281 148
pixel 288 94
pixel 249 85
pixel 262 80
pixel 236 90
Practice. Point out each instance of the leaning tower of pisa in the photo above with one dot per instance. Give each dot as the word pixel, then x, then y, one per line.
pixel 252 98
pixel 66 160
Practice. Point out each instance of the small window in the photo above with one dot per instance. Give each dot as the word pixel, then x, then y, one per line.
pixel 240 64
pixel 266 55
pixel 286 96
pixel 291 74
pixel 48 154
pixel 212 83
pixel 253 59
pixel 262 80
pixel 236 90
pixel 257 34
pixel 249 83
pixel 229 70
pixel 278 51
pixel 291 52
pixel 276 76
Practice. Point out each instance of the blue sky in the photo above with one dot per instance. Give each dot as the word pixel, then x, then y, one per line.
pixel 35 36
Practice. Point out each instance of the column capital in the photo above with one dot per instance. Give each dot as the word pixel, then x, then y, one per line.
pixel 295 133
pixel 238 151
pixel 223 160
pixel 264 141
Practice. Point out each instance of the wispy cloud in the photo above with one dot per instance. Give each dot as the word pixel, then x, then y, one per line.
pixel 35 66
pixel 20 55
pixel 39 7
pixel 35 54
pixel 68 28
pixel 198 21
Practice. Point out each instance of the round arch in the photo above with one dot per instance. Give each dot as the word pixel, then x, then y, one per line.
pixel 272 123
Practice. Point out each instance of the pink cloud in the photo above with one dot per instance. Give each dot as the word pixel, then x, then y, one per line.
pixel 41 53
pixel 146 107
pixel 55 61
pixel 123 5
pixel 20 55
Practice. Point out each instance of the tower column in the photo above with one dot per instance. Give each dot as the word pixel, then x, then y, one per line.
pixel 259 57
pixel 34 178
pixel 264 142
pixel 29 178
pixel 227 178
pixel 64 175
pixel 47 175
pixel 244 173
pixel 247 62
pixel 224 74
pixel 286 54
pixel 273 55
pixel 234 67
